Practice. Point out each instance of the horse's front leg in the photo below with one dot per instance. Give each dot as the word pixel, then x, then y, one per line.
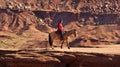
pixel 67 41
pixel 62 43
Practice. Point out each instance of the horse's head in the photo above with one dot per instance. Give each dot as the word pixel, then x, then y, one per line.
pixel 70 32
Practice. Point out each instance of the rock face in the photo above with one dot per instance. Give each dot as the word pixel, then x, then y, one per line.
pixel 21 13
pixel 88 17
pixel 74 57
pixel 96 7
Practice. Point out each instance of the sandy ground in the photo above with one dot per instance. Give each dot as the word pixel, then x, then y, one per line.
pixel 114 49
pixel 92 50
pixel 101 49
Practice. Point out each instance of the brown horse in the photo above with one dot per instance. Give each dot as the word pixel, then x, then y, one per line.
pixel 56 36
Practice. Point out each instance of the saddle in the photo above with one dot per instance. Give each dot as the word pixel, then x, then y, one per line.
pixel 61 34
pixel 57 32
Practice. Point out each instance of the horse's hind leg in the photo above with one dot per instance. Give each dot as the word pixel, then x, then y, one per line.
pixel 52 47
pixel 50 41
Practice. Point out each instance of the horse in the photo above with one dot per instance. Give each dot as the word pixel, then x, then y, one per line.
pixel 56 36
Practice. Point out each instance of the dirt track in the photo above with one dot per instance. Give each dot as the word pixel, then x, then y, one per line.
pixel 102 49
pixel 74 57
pixel 92 50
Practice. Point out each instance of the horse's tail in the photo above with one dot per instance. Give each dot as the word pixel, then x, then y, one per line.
pixel 50 40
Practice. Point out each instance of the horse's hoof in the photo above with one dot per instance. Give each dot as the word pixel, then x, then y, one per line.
pixel 61 47
pixel 68 47
pixel 52 47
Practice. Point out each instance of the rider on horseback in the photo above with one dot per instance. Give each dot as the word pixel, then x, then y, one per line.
pixel 60 29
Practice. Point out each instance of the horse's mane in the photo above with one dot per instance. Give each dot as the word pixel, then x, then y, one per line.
pixel 71 30
pixel 64 31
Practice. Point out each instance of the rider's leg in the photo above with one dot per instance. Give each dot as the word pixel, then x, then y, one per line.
pixel 61 35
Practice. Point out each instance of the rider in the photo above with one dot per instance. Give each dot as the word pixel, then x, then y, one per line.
pixel 60 29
